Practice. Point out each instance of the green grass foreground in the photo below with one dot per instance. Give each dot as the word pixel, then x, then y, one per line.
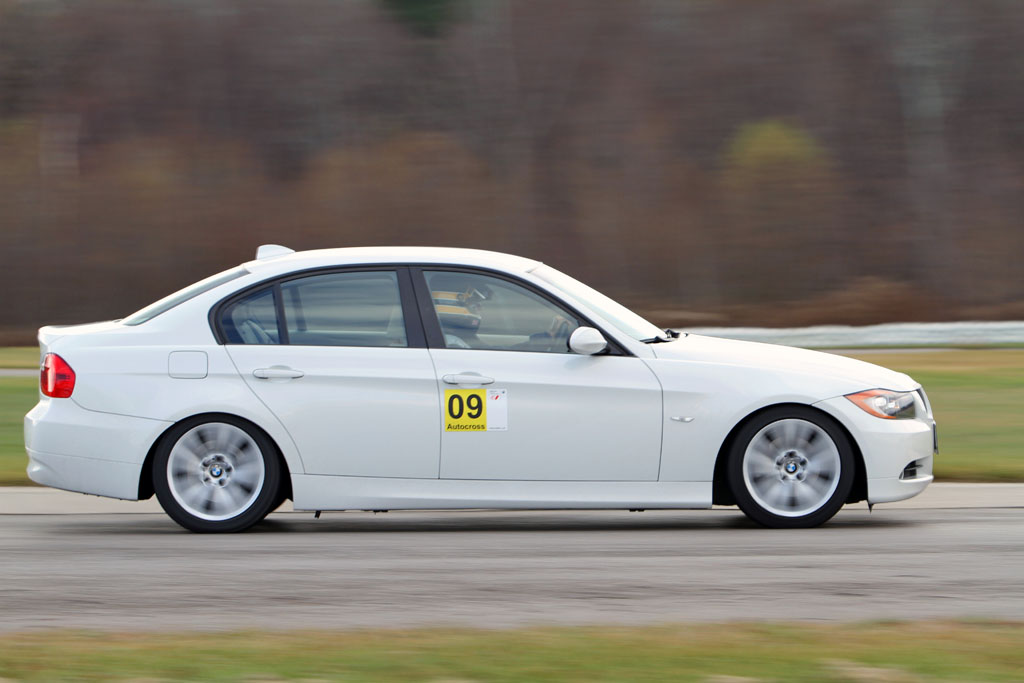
pixel 913 651
pixel 978 397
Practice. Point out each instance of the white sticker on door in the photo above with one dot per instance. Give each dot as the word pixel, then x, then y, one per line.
pixel 497 410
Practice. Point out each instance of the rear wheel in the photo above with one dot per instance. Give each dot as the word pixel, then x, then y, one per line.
pixel 791 467
pixel 216 475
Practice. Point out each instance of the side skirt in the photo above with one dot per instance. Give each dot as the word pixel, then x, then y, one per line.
pixel 317 492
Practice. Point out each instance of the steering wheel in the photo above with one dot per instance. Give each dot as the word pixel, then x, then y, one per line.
pixel 559 333
pixel 554 339
pixel 454 341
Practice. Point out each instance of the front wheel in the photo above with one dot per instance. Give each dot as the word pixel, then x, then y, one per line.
pixel 216 475
pixel 791 467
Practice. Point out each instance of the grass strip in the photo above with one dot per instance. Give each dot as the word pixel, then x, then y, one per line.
pixel 885 651
pixel 17 396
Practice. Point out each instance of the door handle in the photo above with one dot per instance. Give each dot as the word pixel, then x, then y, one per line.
pixel 277 372
pixel 467 378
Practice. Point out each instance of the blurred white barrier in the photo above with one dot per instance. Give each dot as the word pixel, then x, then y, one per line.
pixel 889 334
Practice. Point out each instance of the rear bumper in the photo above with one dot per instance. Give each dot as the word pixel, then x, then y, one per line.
pixel 86 451
pixel 85 475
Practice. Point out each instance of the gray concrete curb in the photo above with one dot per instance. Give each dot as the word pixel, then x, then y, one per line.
pixel 30 500
pixel 18 372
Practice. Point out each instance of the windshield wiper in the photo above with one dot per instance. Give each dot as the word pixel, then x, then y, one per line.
pixel 670 335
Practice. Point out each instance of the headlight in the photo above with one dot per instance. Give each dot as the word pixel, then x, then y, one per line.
pixel 889 405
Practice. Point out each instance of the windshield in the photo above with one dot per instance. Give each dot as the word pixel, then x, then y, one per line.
pixel 183 295
pixel 612 311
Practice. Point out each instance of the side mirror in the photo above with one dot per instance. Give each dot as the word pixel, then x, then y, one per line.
pixel 587 341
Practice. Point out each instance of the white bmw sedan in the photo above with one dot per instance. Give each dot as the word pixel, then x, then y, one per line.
pixel 410 378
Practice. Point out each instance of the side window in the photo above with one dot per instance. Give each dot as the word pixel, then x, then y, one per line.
pixel 484 312
pixel 344 309
pixel 251 320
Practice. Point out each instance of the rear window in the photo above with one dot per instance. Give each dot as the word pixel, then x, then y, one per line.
pixel 183 295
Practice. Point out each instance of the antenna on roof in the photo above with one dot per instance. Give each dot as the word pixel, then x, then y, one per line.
pixel 266 251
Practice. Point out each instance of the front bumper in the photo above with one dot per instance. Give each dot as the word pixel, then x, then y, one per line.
pixel 87 451
pixel 888 447
pixel 888 489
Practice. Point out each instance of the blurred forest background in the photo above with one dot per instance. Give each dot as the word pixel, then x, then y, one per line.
pixel 708 162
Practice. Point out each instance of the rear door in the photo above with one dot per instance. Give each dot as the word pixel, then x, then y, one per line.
pixel 339 356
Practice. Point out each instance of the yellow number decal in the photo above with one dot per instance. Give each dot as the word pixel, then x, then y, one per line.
pixel 465 410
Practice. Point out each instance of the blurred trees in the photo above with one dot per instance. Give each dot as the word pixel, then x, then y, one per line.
pixel 427 17
pixel 780 215
pixel 771 163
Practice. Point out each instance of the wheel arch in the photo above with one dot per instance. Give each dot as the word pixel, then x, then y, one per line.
pixel 146 475
pixel 721 495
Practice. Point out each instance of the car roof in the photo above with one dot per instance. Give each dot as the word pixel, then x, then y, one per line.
pixel 353 256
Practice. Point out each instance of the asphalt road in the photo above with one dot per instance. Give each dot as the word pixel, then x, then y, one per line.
pixel 500 569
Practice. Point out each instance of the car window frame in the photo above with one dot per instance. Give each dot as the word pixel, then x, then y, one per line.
pixel 432 326
pixel 411 317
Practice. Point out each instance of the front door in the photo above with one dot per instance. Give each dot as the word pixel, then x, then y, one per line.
pixel 518 405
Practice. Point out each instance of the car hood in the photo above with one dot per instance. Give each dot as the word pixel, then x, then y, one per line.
pixel 855 375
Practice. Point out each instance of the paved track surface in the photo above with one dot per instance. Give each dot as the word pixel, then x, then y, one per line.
pixel 501 569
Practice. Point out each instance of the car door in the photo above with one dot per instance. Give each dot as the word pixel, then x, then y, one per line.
pixel 341 361
pixel 516 403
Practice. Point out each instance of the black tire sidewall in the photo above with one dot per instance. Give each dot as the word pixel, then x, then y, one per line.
pixel 746 501
pixel 260 507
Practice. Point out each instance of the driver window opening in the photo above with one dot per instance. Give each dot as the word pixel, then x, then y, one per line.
pixel 482 312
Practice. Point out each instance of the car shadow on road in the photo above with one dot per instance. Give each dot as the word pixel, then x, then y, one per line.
pixel 478 522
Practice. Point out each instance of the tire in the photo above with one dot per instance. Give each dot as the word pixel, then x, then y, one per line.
pixel 791 467
pixel 216 474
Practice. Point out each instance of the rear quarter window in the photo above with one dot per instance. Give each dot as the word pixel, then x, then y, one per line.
pixel 251 319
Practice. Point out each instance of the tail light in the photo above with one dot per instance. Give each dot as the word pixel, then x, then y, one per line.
pixel 56 378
